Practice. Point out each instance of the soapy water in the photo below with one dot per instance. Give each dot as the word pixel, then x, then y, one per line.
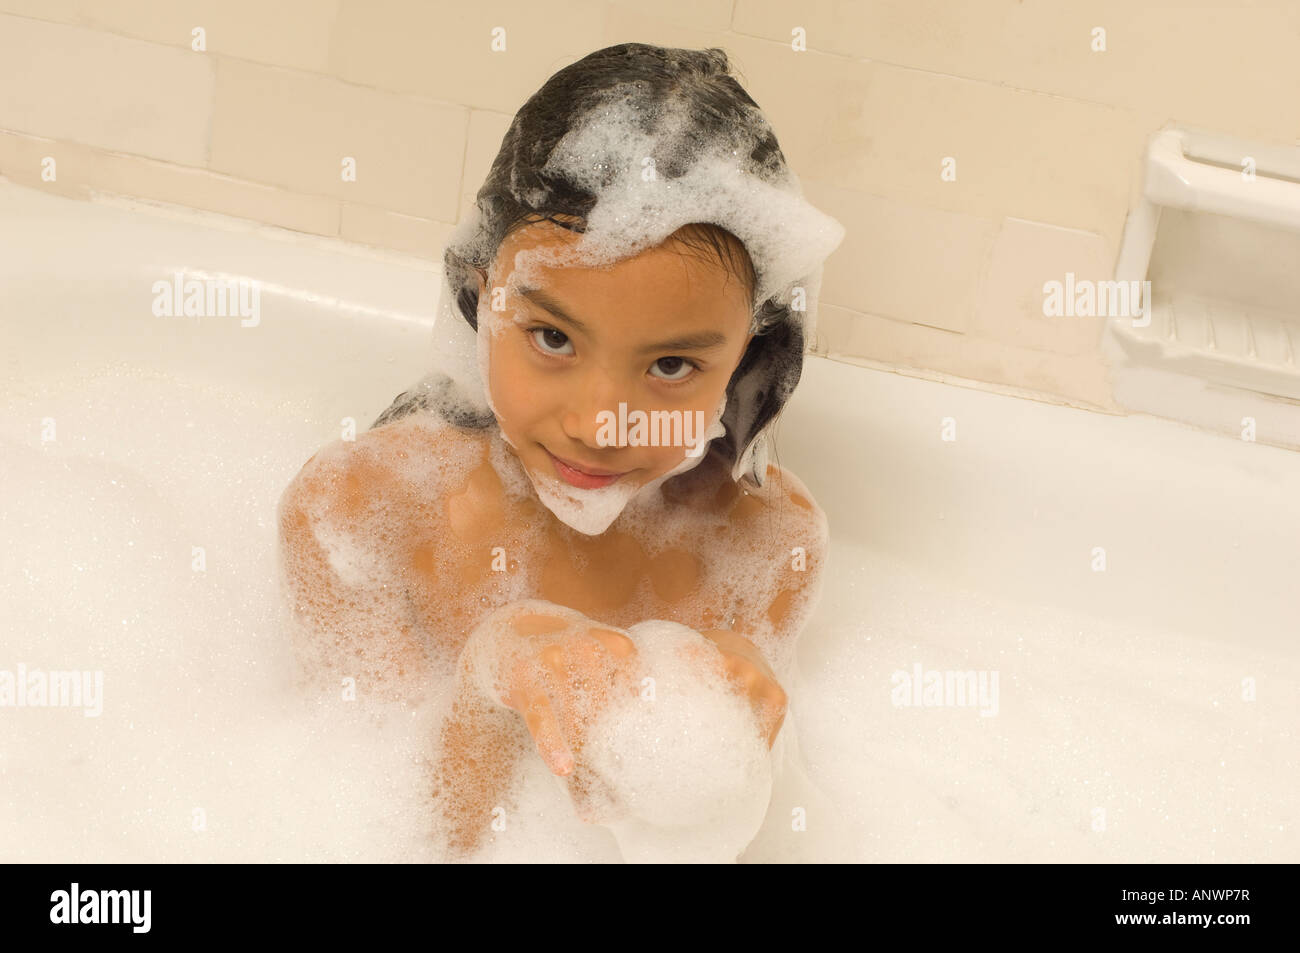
pixel 202 753
pixel 206 752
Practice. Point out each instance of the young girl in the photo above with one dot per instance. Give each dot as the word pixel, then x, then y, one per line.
pixel 640 250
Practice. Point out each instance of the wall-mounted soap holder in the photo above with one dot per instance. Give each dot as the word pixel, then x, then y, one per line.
pixel 1213 250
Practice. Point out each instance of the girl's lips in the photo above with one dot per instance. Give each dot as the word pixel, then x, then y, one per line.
pixel 575 477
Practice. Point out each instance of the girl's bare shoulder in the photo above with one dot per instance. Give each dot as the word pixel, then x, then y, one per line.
pixel 413 460
pixel 781 525
pixel 783 500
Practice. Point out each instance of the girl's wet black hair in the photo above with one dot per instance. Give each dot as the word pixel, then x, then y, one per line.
pixel 698 85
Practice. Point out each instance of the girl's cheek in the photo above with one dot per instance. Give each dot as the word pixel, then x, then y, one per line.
pixel 520 380
pixel 518 394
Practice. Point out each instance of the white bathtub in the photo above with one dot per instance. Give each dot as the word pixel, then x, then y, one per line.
pixel 1147 712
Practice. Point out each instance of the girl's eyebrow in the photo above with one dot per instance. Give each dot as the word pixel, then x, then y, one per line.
pixel 700 341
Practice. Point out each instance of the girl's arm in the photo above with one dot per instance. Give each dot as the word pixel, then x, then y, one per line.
pixel 370 631
pixel 358 622
pixel 478 753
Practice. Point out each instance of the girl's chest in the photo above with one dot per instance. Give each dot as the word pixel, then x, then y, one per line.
pixel 480 548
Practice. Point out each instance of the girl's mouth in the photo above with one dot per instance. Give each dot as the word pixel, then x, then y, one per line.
pixel 581 478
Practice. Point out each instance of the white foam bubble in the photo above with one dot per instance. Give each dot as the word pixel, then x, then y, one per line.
pixel 683 772
pixel 356 564
pixel 611 155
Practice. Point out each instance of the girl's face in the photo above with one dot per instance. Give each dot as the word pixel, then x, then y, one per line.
pixel 661 331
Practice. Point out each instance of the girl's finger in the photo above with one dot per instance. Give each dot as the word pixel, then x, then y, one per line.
pixel 516 685
pixel 552 656
pixel 769 720
pixel 618 644
pixel 542 725
pixel 534 622
pixel 776 730
pixel 776 694
pixel 742 671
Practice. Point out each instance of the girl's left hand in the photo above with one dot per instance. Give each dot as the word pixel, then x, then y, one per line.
pixel 747 668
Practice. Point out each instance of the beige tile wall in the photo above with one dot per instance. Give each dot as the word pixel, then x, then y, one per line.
pixel 938 277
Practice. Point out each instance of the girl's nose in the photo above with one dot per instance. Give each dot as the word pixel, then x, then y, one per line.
pixel 597 392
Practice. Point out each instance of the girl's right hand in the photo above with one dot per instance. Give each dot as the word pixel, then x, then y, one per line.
pixel 556 667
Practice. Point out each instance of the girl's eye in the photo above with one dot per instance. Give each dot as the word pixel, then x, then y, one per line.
pixel 678 368
pixel 551 341
pixel 558 339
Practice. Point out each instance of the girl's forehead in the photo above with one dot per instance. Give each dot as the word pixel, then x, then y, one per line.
pixel 546 238
pixel 542 256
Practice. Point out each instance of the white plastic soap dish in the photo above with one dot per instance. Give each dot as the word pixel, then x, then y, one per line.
pixel 1213 250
